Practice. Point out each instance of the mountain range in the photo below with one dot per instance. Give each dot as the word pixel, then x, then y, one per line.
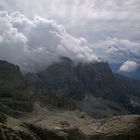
pixel 88 92
pixel 92 87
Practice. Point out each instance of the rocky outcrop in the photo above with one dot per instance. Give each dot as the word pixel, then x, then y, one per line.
pixel 9 133
pixel 2 117
pixel 3 111
pixel 54 134
pixel 14 93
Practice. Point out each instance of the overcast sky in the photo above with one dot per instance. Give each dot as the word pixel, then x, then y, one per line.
pixel 111 28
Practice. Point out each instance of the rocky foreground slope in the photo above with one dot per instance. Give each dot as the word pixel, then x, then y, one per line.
pixel 44 124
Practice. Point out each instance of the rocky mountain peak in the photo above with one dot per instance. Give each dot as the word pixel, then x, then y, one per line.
pixel 10 75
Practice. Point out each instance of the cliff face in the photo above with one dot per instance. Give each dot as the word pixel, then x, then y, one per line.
pixel 13 90
pixel 71 79
pixel 10 76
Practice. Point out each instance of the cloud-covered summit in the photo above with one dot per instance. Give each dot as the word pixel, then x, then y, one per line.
pixel 35 43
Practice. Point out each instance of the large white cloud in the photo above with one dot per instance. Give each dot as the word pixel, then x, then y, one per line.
pixel 111 26
pixel 94 19
pixel 129 66
pixel 35 43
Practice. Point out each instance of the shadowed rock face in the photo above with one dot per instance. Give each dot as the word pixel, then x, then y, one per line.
pixel 10 73
pixel 92 86
pixel 74 80
pixel 13 90
pixel 2 117
pixel 9 133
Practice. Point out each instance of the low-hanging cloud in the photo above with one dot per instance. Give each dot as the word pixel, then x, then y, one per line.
pixel 35 43
pixel 129 66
